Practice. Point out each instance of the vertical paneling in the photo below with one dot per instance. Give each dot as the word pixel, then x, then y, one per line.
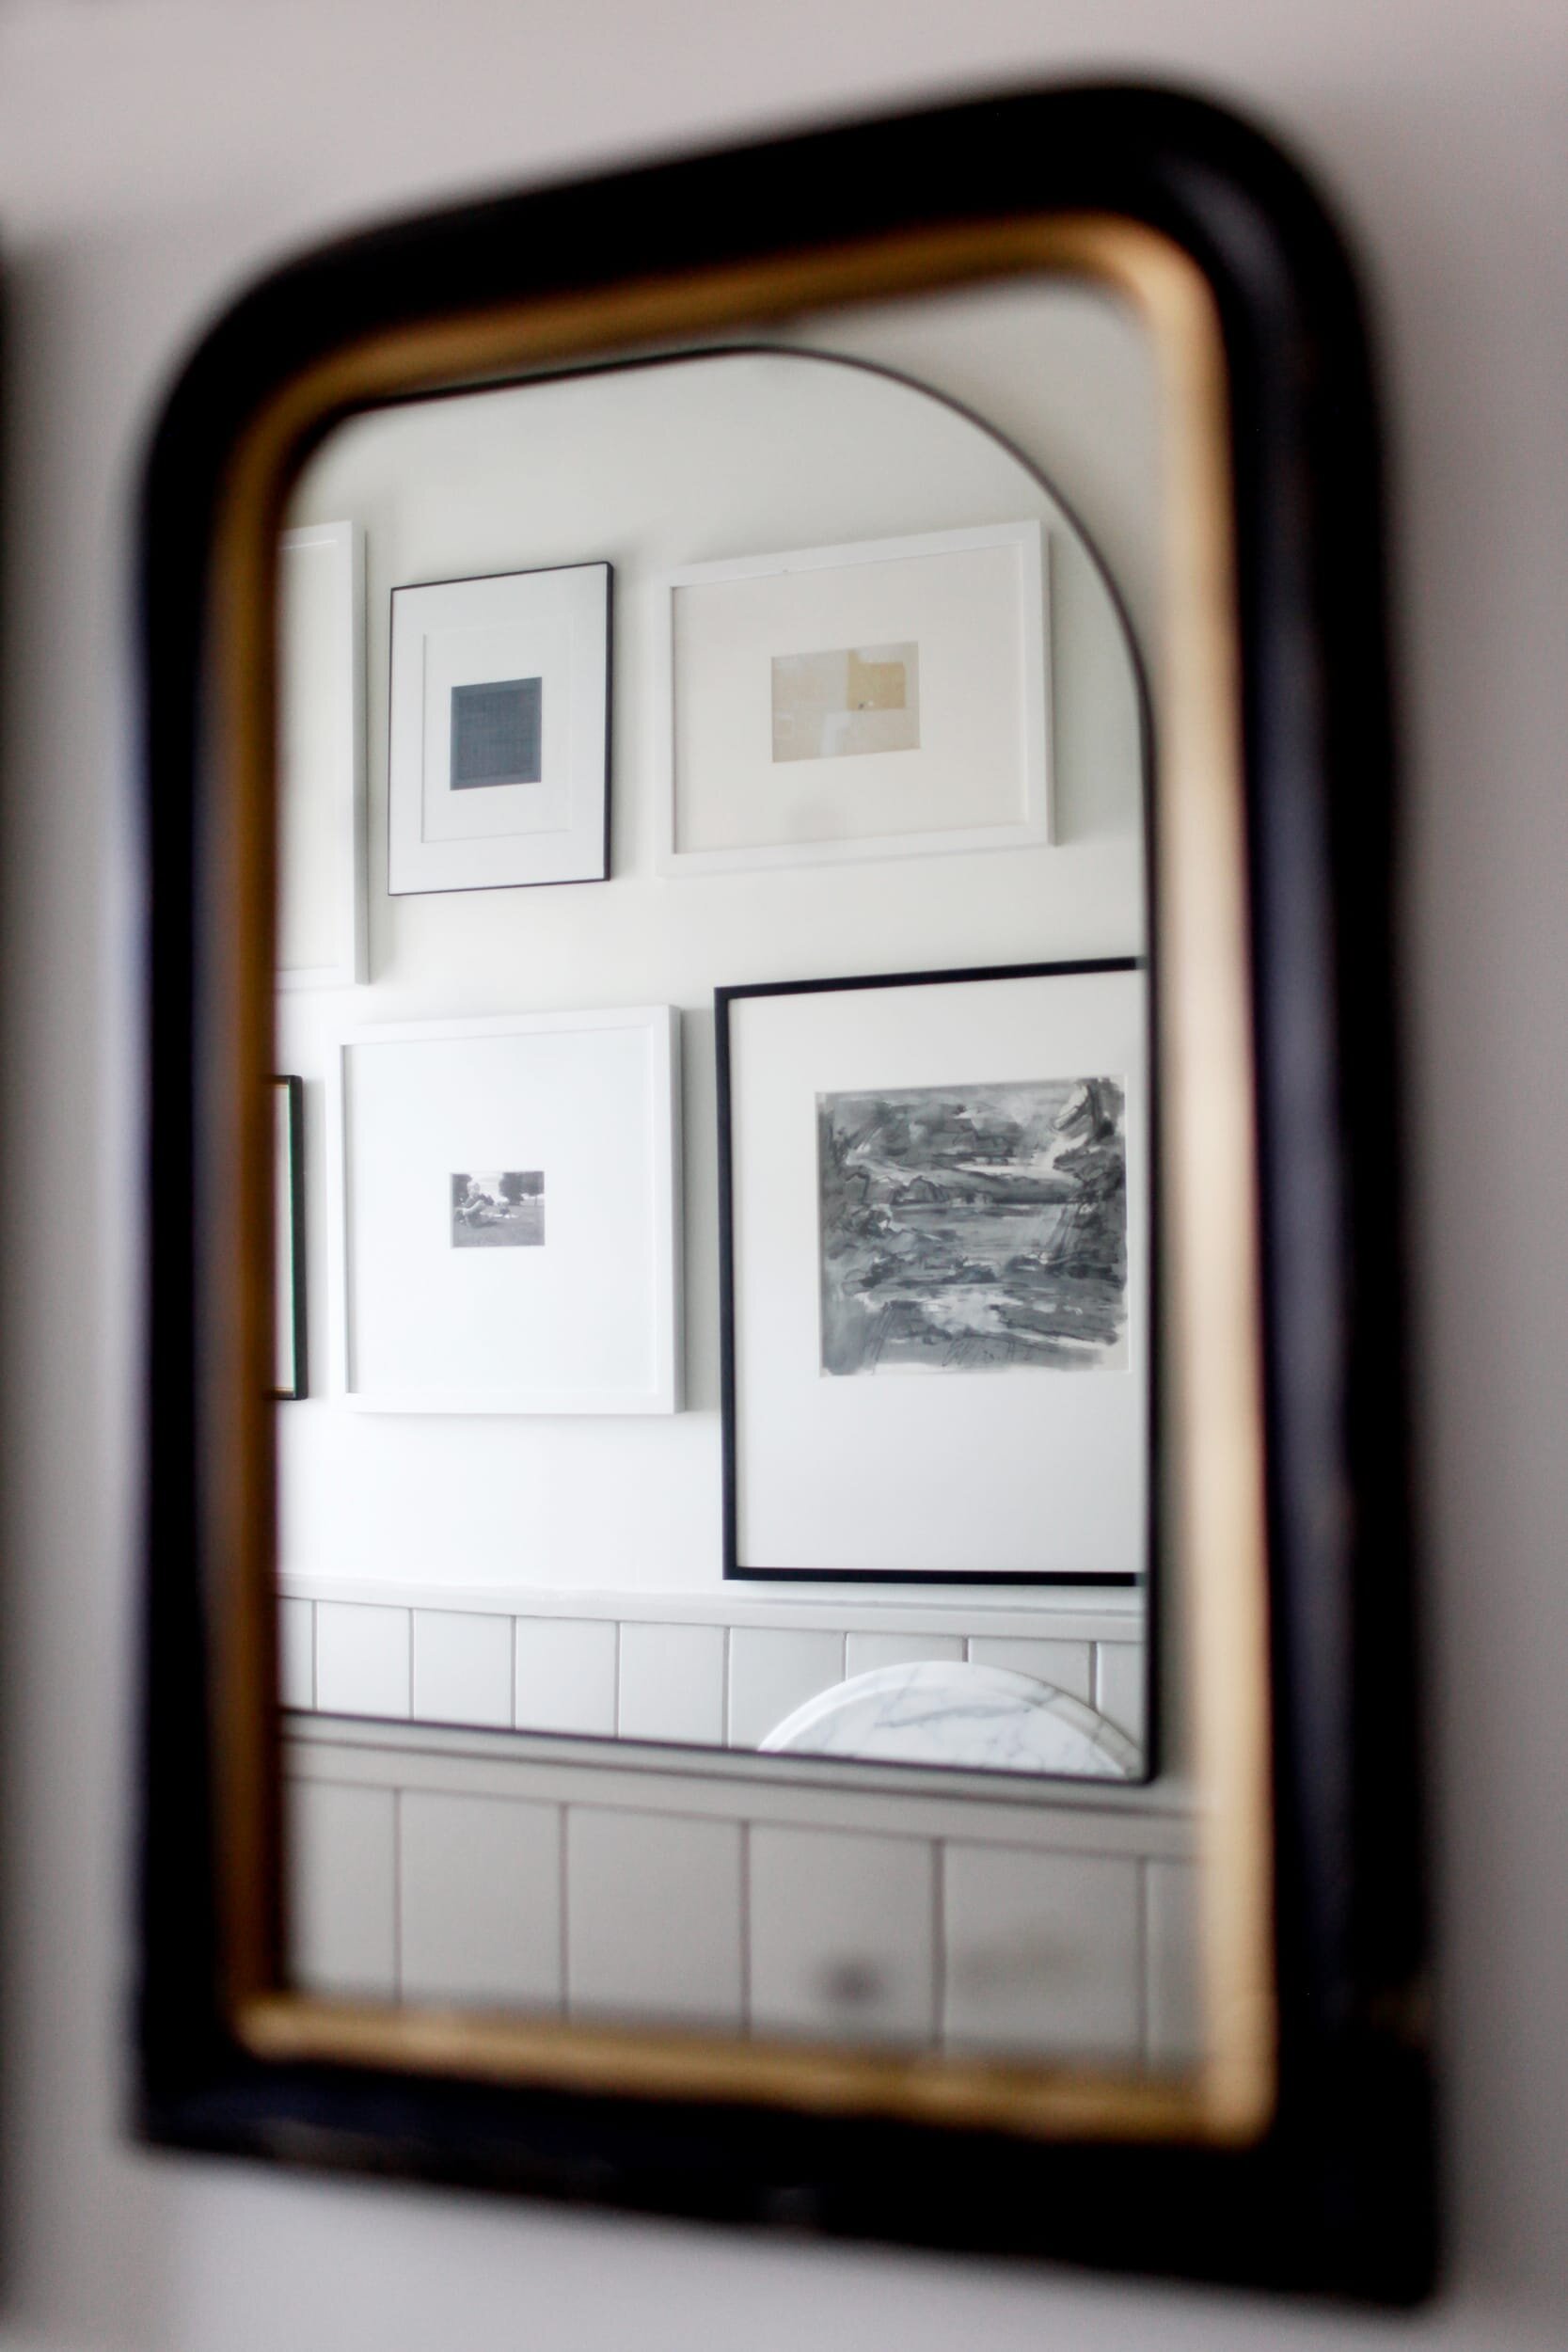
pixel 296 1653
pixel 865 1651
pixel 363 1659
pixel 343 1882
pixel 1172 1962
pixel 479 1900
pixel 673 1682
pixel 462 1668
pixel 653 1916
pixel 565 1674
pixel 1042 1952
pixel 1066 1665
pixel 840 1932
pixel 1119 1692
pixel 774 1671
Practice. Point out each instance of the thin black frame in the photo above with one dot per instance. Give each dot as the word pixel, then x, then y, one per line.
pixel 294 1097
pixel 734 1568
pixel 1338 2196
pixel 466 580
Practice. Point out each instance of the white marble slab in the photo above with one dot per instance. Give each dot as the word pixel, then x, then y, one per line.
pixel 943 1713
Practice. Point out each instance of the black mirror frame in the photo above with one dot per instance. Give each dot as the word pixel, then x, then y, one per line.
pixel 1338 2195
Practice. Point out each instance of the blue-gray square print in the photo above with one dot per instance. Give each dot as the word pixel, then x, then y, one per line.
pixel 496 731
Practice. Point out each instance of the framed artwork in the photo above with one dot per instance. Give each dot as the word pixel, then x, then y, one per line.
pixel 290 1374
pixel 322 921
pixel 886 699
pixel 934 1270
pixel 499 764
pixel 507 1215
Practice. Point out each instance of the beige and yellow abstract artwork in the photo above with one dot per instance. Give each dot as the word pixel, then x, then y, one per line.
pixel 855 699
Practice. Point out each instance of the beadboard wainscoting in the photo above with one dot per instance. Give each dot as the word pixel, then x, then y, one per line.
pixel 720 1669
pixel 428 1866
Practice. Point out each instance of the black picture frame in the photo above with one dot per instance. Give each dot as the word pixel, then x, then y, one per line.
pixel 293 1300
pixel 757 1572
pixel 1337 2196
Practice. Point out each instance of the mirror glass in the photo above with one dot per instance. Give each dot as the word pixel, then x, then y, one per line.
pixel 713 1183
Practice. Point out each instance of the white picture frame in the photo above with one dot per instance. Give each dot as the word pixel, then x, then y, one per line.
pixel 756 767
pixel 509 675
pixel 323 916
pixel 557 1288
pixel 1007 1450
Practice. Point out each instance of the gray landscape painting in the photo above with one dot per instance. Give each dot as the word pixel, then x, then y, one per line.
pixel 968 1228
pixel 504 1211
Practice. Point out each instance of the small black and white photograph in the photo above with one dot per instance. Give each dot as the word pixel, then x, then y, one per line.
pixel 972 1229
pixel 498 1211
pixel 860 698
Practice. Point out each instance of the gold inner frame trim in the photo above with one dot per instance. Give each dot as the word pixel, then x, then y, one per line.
pixel 1213 1476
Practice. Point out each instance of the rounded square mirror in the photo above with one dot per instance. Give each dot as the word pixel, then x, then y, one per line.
pixel 741 1491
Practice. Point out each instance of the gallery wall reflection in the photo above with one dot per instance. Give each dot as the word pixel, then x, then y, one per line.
pixel 724 1201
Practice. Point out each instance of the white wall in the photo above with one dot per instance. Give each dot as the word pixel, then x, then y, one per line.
pixel 150 155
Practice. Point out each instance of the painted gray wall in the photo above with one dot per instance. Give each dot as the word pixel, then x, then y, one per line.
pixel 152 155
